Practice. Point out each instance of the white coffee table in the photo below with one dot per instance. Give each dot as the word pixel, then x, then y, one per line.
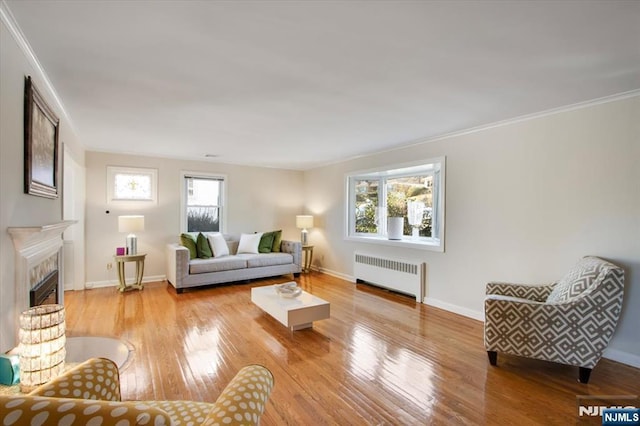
pixel 297 313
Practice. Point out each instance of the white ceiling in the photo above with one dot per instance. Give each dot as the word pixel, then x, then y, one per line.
pixel 297 84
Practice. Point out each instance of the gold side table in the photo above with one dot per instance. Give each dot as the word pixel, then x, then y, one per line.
pixel 307 251
pixel 122 260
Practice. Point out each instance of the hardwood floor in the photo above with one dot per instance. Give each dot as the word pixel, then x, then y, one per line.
pixel 380 359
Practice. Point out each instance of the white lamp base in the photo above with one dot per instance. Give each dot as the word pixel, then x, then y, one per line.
pixel 132 244
pixel 303 237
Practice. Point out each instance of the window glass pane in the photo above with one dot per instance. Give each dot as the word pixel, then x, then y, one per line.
pixel 366 208
pixel 411 198
pixel 131 186
pixel 203 204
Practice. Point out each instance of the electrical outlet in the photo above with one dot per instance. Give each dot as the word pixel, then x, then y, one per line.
pixel 109 266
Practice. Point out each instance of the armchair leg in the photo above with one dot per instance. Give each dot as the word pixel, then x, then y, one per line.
pixel 584 374
pixel 493 357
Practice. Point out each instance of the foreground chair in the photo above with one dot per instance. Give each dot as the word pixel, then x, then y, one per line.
pixel 90 394
pixel 570 321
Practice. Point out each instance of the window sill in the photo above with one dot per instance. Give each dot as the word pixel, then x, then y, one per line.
pixel 430 244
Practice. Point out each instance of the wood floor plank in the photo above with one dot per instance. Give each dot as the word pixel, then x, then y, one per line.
pixel 380 359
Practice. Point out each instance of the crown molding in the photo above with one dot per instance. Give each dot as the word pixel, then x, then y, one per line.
pixel 10 22
pixel 501 123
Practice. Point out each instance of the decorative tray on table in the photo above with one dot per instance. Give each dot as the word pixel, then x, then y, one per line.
pixel 288 290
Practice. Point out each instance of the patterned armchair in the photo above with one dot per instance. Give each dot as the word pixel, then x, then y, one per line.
pixel 89 394
pixel 569 322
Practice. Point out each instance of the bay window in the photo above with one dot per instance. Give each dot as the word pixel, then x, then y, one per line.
pixel 414 193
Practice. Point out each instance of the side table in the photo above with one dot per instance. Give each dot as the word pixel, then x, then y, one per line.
pixel 307 251
pixel 122 260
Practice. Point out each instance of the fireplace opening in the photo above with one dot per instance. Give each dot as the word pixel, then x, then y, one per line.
pixel 45 292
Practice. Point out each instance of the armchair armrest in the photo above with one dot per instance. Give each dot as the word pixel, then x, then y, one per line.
pixel 253 384
pixel 96 378
pixel 26 410
pixel 538 293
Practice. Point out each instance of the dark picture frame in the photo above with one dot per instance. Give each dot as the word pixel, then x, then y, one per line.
pixel 41 127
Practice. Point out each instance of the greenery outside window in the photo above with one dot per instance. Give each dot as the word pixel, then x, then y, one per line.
pixel 413 192
pixel 203 202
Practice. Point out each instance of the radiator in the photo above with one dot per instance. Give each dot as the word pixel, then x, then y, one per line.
pixel 393 274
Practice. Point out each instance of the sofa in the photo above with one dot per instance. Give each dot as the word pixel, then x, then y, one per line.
pixel 89 394
pixel 570 321
pixel 185 272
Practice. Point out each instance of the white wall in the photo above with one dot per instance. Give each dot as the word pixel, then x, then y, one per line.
pixel 524 201
pixel 17 208
pixel 73 209
pixel 259 199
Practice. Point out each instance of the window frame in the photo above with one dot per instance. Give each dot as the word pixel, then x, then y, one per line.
pixel 184 197
pixel 434 166
pixel 113 171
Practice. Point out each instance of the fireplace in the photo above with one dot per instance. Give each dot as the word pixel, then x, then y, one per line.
pixel 43 282
pixel 38 266
pixel 45 292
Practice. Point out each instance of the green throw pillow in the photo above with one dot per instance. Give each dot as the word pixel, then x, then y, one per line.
pixel 277 240
pixel 203 248
pixel 266 241
pixel 187 241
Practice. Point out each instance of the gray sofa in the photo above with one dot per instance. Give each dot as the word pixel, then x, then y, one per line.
pixel 183 272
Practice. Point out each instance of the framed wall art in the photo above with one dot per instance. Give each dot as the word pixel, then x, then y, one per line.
pixel 40 144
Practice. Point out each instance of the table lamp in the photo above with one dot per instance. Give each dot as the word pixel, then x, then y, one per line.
pixel 131 224
pixel 42 345
pixel 303 222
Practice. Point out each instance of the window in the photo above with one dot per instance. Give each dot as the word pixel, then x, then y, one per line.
pixel 203 201
pixel 414 193
pixel 126 184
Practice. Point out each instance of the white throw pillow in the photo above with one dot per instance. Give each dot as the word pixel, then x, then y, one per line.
pixel 218 245
pixel 249 243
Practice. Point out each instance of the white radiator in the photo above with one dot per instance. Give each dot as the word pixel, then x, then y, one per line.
pixel 393 274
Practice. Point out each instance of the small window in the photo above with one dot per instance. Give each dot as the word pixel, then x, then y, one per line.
pixel 412 193
pixel 131 184
pixel 203 203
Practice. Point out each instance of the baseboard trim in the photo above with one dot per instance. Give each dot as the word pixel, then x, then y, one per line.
pixel 335 274
pixel 114 283
pixel 622 357
pixel 469 313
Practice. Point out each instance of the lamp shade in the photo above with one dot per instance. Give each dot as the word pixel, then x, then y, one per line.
pixel 42 345
pixel 304 221
pixel 132 223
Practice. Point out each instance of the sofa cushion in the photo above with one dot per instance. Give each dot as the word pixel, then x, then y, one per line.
pixel 189 242
pixel 267 259
pixel 233 246
pixel 277 240
pixel 577 280
pixel 249 243
pixel 216 264
pixel 218 245
pixel 266 242
pixel 202 246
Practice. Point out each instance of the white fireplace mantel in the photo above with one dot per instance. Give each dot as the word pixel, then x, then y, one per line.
pixel 27 237
pixel 33 245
